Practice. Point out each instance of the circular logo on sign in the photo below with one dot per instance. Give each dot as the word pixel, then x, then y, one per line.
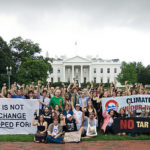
pixel 111 104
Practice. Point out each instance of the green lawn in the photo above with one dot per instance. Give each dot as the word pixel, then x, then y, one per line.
pixel 100 137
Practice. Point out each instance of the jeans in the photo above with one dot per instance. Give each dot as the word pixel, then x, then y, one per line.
pixel 51 139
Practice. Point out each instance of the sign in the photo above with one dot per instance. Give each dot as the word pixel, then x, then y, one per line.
pixel 16 116
pixel 72 137
pixel 131 125
pixel 137 102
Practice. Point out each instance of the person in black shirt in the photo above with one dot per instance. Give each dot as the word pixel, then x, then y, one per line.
pixel 70 124
pixel 48 115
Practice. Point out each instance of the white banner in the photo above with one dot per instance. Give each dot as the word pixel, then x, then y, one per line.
pixel 16 116
pixel 137 102
pixel 72 137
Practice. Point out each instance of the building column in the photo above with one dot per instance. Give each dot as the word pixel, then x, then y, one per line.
pixel 90 74
pixel 64 72
pixel 81 74
pixel 72 73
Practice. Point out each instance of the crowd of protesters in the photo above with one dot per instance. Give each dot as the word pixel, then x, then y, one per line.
pixel 73 108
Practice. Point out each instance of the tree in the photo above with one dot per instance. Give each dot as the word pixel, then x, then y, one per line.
pixel 23 48
pixel 5 60
pixel 20 50
pixel 32 70
pixel 128 73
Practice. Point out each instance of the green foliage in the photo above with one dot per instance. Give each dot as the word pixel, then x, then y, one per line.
pixel 32 70
pixel 128 73
pixel 28 66
pixel 5 60
pixel 59 84
pixel 100 137
pixel 134 73
pixel 23 48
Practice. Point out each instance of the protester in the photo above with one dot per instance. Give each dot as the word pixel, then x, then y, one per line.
pixel 67 110
pixel 90 124
pixel 55 112
pixel 41 129
pixel 83 99
pixel 54 132
pixel 108 121
pixel 89 109
pixel 43 99
pixel 79 115
pixel 55 100
pixel 76 109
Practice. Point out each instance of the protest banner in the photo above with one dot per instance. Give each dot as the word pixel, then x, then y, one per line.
pixel 72 137
pixel 131 125
pixel 137 102
pixel 16 116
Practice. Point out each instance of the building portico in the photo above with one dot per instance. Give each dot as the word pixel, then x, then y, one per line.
pixel 84 70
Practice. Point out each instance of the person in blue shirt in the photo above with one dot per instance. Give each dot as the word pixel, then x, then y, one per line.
pixel 18 95
pixel 67 111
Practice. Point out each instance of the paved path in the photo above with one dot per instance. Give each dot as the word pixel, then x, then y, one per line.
pixel 98 145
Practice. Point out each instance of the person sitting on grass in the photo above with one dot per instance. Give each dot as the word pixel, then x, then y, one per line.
pixel 71 123
pixel 90 125
pixel 108 121
pixel 55 132
pixel 121 114
pixel 40 135
pixel 144 113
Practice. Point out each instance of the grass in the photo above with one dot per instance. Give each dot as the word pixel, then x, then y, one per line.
pixel 100 137
pixel 16 138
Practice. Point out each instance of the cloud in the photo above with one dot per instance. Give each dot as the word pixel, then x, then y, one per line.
pixel 91 13
pixel 110 28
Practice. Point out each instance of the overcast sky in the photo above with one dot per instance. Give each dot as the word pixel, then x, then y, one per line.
pixel 105 28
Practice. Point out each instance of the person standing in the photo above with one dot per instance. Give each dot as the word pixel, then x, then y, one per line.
pixel 55 100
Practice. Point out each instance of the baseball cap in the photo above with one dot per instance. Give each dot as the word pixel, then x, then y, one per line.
pixel 68 115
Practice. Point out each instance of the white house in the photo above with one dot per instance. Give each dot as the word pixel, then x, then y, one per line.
pixel 85 70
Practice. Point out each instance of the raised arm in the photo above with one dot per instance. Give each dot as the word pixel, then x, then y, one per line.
pixel 72 104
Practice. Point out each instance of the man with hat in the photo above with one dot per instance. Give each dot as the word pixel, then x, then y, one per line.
pixel 90 124
pixel 70 123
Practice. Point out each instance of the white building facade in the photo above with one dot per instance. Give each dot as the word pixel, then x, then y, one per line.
pixel 85 70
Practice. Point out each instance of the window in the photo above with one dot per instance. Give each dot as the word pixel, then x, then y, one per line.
pixel 58 71
pixel 115 70
pixel 84 79
pixel 84 70
pixel 94 70
pixel 68 79
pixel 101 80
pixel 101 70
pixel 77 77
pixel 52 80
pixel 108 80
pixel 108 70
pixel 94 79
pixel 58 79
pixel 68 70
pixel 77 70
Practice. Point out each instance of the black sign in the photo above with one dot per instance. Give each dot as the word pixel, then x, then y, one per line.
pixel 131 125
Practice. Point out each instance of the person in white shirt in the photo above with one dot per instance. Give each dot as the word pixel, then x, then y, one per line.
pixel 43 99
pixel 83 99
pixel 79 114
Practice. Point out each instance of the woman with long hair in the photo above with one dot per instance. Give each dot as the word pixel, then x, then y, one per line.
pixel 40 135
